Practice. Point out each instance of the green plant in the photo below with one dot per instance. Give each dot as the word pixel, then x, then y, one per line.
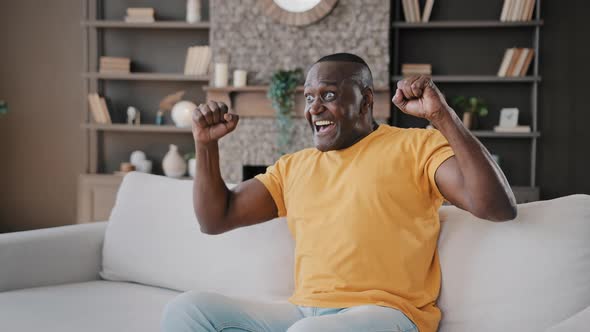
pixel 189 155
pixel 282 95
pixel 3 107
pixel 474 105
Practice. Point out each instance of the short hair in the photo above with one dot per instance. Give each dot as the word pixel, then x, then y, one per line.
pixel 365 77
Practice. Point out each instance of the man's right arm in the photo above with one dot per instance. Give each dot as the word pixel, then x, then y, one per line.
pixel 219 209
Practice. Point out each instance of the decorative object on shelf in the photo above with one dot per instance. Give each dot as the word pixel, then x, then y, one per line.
pixel 193 11
pixel 3 107
pixel 166 104
pixel 221 74
pixel 508 117
pixel 140 15
pixel 114 65
pixel 139 161
pixel 173 164
pixel 133 116
pixel 282 95
pixel 411 10
pixel 410 69
pixel 240 78
pixel 126 167
pixel 192 163
pixel 472 107
pixel 302 12
pixel 182 113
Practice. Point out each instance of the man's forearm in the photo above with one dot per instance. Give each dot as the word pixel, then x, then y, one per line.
pixel 210 194
pixel 484 182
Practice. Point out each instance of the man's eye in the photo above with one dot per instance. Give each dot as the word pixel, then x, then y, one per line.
pixel 329 95
pixel 309 98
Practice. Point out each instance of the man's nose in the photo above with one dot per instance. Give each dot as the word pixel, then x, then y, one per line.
pixel 317 107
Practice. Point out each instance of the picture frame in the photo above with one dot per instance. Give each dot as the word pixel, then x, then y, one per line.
pixel 508 117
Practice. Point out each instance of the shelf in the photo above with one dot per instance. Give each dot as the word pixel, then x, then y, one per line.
pixel 465 24
pixel 264 88
pixel 478 79
pixel 155 25
pixel 132 128
pixel 147 77
pixel 493 134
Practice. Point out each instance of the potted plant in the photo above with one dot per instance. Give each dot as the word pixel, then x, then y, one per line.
pixel 472 107
pixel 281 92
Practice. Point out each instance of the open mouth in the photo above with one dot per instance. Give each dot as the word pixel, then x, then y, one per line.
pixel 323 126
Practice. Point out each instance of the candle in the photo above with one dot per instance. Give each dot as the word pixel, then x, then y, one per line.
pixel 240 77
pixel 193 11
pixel 221 75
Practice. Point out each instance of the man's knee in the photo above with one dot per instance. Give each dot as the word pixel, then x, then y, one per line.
pixel 188 311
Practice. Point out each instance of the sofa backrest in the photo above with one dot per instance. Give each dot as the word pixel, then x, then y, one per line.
pixel 153 238
pixel 524 275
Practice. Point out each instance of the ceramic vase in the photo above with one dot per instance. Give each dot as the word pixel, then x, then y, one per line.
pixel 192 165
pixel 173 164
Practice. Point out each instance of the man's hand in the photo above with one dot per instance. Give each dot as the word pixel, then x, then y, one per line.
pixel 418 96
pixel 212 121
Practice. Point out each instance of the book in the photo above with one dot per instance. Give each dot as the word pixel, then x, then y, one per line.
pixel 409 69
pixel 518 10
pixel 505 8
pixel 105 111
pixel 527 62
pixel 416 10
pixel 505 62
pixel 513 60
pixel 427 10
pixel 187 62
pixel 511 9
pixel 133 19
pixel 517 129
pixel 519 62
pixel 406 8
pixel 140 11
pixel 95 108
pixel 529 9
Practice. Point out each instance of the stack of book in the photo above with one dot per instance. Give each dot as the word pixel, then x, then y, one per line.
pixel 516 62
pixel 517 10
pixel 140 15
pixel 197 60
pixel 99 109
pixel 114 65
pixel 409 69
pixel 515 129
pixel 412 10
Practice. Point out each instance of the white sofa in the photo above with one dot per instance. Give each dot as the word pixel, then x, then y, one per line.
pixel 531 274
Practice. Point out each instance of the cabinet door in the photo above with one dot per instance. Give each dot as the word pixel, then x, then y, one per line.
pixel 96 196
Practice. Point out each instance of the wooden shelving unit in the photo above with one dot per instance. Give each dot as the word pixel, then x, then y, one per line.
pixel 146 77
pixel 137 128
pixel 106 24
pixel 444 26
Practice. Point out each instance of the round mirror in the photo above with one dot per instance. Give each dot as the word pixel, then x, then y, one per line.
pixel 297 12
pixel 297 6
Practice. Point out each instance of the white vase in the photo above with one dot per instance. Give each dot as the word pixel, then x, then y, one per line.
pixel 192 165
pixel 182 113
pixel 193 11
pixel 173 164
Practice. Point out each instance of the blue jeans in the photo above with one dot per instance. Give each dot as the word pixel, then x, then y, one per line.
pixel 210 312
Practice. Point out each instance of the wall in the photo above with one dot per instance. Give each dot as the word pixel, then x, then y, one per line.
pixel 40 140
pixel 260 45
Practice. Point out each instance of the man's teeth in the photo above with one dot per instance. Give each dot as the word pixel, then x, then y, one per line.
pixel 323 123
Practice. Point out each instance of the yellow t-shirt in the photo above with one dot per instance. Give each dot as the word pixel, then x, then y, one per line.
pixel 365 222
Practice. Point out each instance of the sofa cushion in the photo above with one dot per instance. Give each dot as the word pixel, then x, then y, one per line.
pixel 153 238
pixel 94 306
pixel 523 275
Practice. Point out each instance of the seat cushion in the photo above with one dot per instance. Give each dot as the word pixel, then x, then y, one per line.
pixel 154 238
pixel 523 275
pixel 90 306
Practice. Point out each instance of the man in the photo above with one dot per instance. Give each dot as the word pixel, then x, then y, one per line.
pixel 362 206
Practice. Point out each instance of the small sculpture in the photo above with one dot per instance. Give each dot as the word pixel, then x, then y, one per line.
pixel 133 116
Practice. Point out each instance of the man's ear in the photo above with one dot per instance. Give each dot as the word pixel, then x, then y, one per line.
pixel 367 101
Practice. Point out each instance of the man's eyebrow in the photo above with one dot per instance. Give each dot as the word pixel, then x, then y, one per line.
pixel 324 82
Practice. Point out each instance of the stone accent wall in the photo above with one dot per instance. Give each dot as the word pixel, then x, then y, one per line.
pixel 260 45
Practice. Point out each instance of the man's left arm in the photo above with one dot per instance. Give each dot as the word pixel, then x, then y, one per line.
pixel 471 179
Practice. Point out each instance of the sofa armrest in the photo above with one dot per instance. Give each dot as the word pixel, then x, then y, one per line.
pixel 51 256
pixel 576 323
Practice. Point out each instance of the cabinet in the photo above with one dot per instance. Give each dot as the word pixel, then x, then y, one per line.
pixel 465 42
pixel 157 52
